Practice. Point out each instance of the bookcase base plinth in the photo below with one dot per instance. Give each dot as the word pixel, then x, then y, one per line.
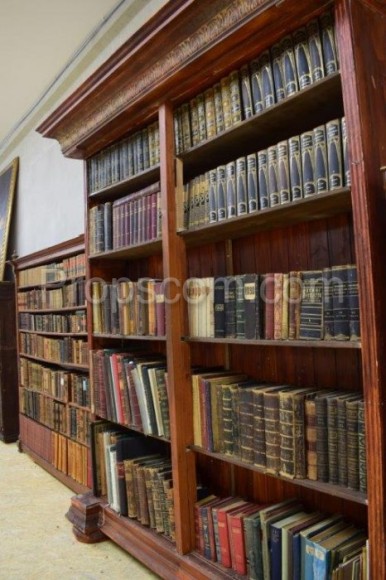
pixel 84 515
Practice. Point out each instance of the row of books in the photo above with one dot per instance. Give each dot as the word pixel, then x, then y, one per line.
pixel 131 389
pixel 308 305
pixel 71 458
pixel 65 350
pixel 138 481
pixel 295 432
pixel 45 410
pixel 130 220
pixel 125 159
pixel 304 165
pixel 79 425
pixel 72 267
pixel 67 296
pixel 280 541
pixel 60 384
pixel 76 322
pixel 292 64
pixel 128 308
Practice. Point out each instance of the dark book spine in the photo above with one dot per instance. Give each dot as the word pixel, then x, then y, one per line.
pixel 311 456
pixel 241 186
pixel 226 101
pixel 231 189
pixel 201 117
pixel 346 157
pixel 262 159
pixel 308 157
pixel 330 54
pixel 272 431
pixel 300 464
pixel 294 289
pixel 230 306
pixel 246 92
pixel 246 425
pixel 273 180
pixel 240 307
pixel 218 108
pixel 268 296
pixel 256 85
pixel 251 302
pixel 221 193
pixel 219 307
pixel 186 129
pixel 321 438
pixel 227 428
pixel 362 448
pixel 145 142
pixel 289 67
pixel 332 438
pixel 340 302
pixel 259 428
pixel 320 152
pixel 194 123
pixel 287 434
pixel 328 307
pixel 210 113
pixel 295 168
pixel 283 172
pixel 234 86
pixel 315 48
pixel 334 154
pixel 302 58
pixel 311 309
pixel 352 445
pixel 341 420
pixel 212 196
pixel 353 302
pixel 268 89
pixel 278 306
pixel 277 69
pixel 252 183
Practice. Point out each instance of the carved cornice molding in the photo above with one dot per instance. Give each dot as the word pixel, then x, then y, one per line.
pixel 91 112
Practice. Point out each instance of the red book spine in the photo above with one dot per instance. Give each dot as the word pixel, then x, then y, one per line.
pixel 237 541
pixel 224 539
pixel 269 301
pixel 117 393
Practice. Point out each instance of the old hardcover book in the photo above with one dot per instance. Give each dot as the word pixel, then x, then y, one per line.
pixel 230 306
pixel 352 444
pixel 320 152
pixel 328 306
pixel 210 113
pixel 240 306
pixel 219 307
pixel 201 117
pixel 268 297
pixel 334 154
pixel 257 88
pixel 346 157
pixel 289 67
pixel 353 302
pixel 340 302
pixel 226 102
pixel 231 189
pixel 252 183
pixel 194 123
pixel 277 69
pixel 322 434
pixel 252 538
pixel 273 176
pixel 330 53
pixel 294 301
pixel 221 193
pixel 272 429
pixel 283 172
pixel 241 186
pixel 218 108
pixel 213 196
pixel 311 308
pixel 262 160
pixel 235 93
pixel 246 421
pixel 252 306
pixel 308 163
pixel 237 538
pixel 267 84
pixel 295 168
pixel 362 463
pixel 223 529
pixel 186 128
pixel 275 534
pixel 302 58
pixel 315 48
pixel 278 306
pixel 246 92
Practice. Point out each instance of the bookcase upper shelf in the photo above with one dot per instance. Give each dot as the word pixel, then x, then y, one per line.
pixel 129 185
pixel 131 252
pixel 65 365
pixel 283 343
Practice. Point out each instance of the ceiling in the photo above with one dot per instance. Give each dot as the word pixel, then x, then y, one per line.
pixel 37 39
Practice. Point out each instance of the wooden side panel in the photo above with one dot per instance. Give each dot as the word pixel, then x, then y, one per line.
pixel 362 45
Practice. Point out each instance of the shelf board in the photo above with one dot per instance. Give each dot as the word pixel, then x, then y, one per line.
pixel 131 252
pixel 130 337
pixel 57 284
pixel 316 104
pixel 66 435
pixel 56 363
pixel 76 487
pixel 44 333
pixel 53 310
pixel 312 208
pixel 76 406
pixel 129 185
pixel 137 430
pixel 346 344
pixel 328 488
pixel 48 395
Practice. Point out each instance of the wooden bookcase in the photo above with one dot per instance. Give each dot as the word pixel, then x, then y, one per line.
pixel 50 443
pixel 9 408
pixel 184 49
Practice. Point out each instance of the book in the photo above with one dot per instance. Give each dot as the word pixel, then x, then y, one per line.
pixel 252 536
pixel 346 156
pixel 340 302
pixel 241 186
pixel 308 163
pixel 276 542
pixel 252 183
pixel 289 66
pixel 334 154
pixel 315 49
pixel 218 108
pixel 226 102
pixel 230 306
pixel 268 296
pixel 362 463
pixel 213 197
pixel 257 87
pixel 246 92
pixel 277 68
pixel 352 443
pixel 328 306
pixel 330 54
pixel 221 193
pixel 210 117
pixel 262 164
pixel 252 306
pixel 235 95
pixel 353 302
pixel 231 189
pixel 311 308
pixel 273 176
pixel 302 58
pixel 320 152
pixel 268 90
pixel 283 172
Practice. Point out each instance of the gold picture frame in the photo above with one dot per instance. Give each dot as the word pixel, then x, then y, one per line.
pixel 8 179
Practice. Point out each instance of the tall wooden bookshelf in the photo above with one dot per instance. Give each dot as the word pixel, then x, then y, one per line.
pixel 184 49
pixel 9 409
pixel 53 373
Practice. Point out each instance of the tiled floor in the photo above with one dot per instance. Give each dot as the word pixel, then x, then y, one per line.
pixel 36 540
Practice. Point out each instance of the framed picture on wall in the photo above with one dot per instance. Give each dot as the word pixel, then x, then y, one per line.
pixel 8 178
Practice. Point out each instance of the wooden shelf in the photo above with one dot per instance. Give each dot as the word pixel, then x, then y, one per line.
pixel 62 477
pixel 335 344
pixel 129 185
pixel 328 488
pixel 34 390
pixel 316 207
pixel 66 435
pixel 64 365
pixel 52 310
pixel 76 406
pixel 58 283
pixel 44 333
pixel 131 252
pixel 137 430
pixel 130 337
pixel 304 110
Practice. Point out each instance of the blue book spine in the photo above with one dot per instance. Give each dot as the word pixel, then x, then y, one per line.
pixel 321 563
pixel 296 557
pixel 275 553
pixel 308 570
pixel 216 536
